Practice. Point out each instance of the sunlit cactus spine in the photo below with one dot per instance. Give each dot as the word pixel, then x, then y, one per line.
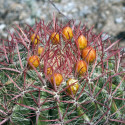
pixel 76 77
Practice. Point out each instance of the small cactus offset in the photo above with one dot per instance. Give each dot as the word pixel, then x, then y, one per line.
pixel 55 74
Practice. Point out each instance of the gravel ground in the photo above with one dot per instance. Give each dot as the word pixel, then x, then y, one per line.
pixel 106 15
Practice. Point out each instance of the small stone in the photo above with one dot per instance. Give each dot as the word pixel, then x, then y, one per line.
pixel 119 20
pixel 30 21
pixel 86 10
pixel 23 15
pixel 2 26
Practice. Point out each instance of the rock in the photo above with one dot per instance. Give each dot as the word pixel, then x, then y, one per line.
pixel 2 26
pixel 119 20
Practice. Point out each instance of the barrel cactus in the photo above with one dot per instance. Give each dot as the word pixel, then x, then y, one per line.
pixel 76 77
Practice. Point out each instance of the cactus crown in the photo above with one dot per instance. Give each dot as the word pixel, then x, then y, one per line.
pixel 51 88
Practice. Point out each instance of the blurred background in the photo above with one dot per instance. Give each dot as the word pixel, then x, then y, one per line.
pixel 106 15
